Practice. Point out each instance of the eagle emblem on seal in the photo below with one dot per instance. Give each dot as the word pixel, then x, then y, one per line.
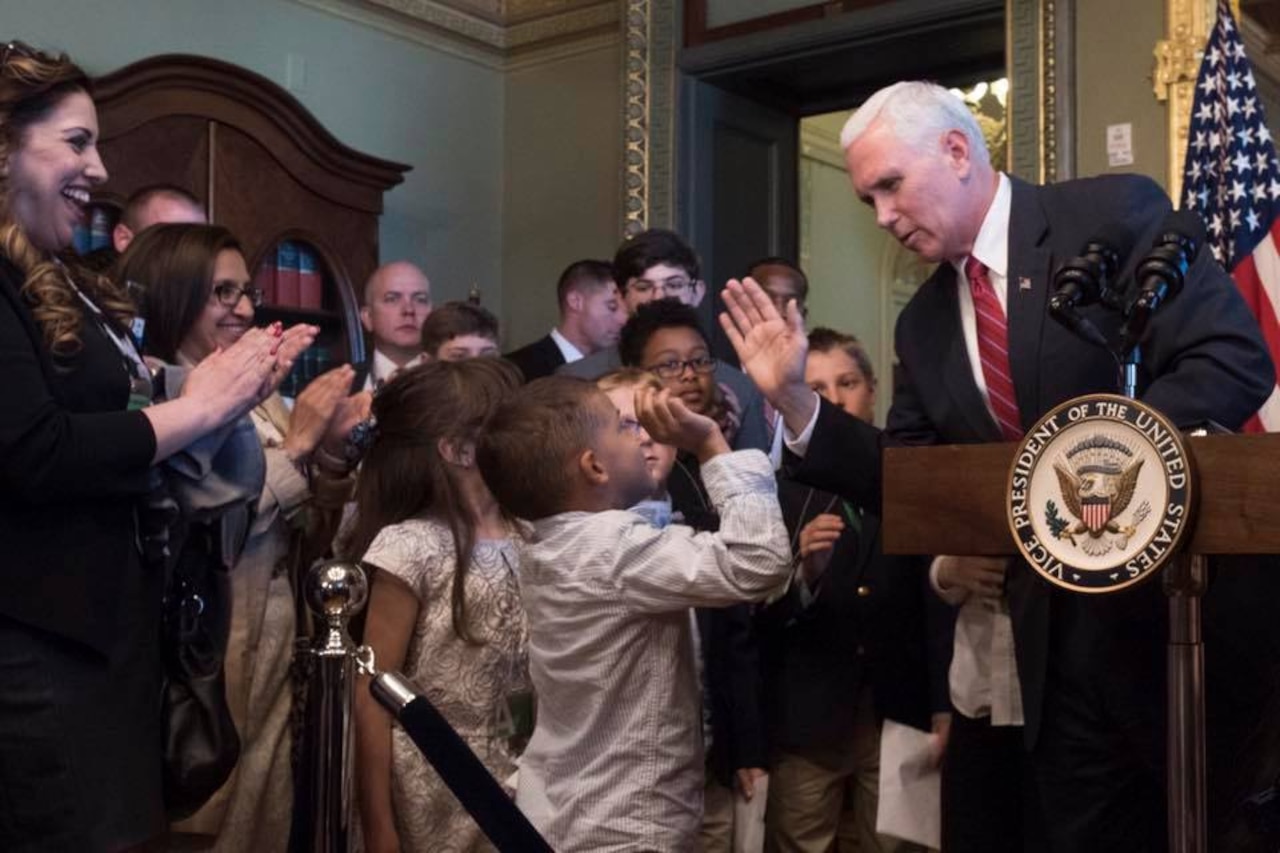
pixel 1098 477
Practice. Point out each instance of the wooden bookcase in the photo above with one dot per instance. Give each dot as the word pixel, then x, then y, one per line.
pixel 264 168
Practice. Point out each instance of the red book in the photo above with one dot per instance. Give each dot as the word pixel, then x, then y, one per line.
pixel 265 280
pixel 310 291
pixel 287 295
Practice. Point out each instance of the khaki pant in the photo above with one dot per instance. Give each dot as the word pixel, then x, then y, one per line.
pixel 830 806
pixel 717 818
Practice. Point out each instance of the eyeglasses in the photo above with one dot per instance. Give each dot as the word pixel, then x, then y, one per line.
pixel 671 369
pixel 670 287
pixel 229 295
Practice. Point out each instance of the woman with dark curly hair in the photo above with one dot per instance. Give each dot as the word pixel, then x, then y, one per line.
pixel 80 673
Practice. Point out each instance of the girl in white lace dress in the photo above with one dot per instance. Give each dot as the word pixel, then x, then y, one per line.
pixel 444 606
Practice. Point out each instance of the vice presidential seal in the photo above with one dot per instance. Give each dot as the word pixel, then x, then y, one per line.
pixel 1100 493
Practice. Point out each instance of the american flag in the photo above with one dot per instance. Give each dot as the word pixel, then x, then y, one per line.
pixel 1231 179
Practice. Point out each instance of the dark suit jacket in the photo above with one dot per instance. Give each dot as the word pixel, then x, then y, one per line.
pixel 874 622
pixel 538 359
pixel 1204 360
pixel 730 650
pixel 72 463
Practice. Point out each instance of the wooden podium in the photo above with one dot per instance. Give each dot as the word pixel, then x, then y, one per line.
pixel 1239 488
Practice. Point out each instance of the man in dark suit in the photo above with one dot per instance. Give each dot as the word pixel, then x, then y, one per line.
pixel 980 361
pixel 590 316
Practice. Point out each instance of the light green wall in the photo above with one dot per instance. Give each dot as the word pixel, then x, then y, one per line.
pixel 563 161
pixel 378 93
pixel 1114 62
pixel 842 249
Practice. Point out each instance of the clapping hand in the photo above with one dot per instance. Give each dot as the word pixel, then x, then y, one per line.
pixel 314 411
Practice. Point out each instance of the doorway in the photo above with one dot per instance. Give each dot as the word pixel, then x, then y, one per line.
pixel 759 167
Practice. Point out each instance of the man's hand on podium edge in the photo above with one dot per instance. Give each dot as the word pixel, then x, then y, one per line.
pixel 980 576
pixel 771 349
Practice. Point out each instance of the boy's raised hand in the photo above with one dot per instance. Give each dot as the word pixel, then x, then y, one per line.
pixel 669 421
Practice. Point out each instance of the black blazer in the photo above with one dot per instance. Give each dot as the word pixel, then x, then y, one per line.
pixel 874 622
pixel 538 359
pixel 1204 360
pixel 730 650
pixel 72 462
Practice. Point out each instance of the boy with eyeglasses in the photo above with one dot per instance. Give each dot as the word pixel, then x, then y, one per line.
pixel 615 762
pixel 658 264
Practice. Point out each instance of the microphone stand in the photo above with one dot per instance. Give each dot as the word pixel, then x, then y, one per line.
pixel 1184 581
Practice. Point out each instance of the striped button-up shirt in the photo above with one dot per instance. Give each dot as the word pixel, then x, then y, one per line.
pixel 616 760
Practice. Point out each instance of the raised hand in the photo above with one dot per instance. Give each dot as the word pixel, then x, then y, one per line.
pixel 817 538
pixel 669 421
pixel 771 349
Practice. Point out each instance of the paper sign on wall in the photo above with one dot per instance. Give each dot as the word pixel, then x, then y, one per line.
pixel 1120 144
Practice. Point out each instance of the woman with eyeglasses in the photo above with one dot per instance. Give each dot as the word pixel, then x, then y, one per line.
pixel 198 299
pixel 80 669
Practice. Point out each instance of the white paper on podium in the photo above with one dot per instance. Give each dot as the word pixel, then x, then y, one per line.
pixel 748 819
pixel 910 786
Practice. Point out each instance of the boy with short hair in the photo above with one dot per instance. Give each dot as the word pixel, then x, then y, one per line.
pixel 615 762
pixel 458 330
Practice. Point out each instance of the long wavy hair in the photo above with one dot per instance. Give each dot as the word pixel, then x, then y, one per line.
pixel 404 476
pixel 32 84
pixel 172 267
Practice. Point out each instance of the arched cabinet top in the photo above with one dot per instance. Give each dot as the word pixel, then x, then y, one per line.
pixel 201 87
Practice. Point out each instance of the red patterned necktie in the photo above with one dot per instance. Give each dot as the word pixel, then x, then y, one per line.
pixel 993 349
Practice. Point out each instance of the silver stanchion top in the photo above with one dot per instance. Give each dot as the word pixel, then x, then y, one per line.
pixel 336 591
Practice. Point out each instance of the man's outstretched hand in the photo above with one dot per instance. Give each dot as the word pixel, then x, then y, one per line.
pixel 771 349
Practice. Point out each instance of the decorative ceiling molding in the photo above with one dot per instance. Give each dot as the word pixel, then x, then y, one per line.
pixel 496 33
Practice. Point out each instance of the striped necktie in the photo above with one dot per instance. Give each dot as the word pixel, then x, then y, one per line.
pixel 993 350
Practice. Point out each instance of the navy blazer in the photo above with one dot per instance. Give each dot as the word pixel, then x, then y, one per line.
pixel 538 359
pixel 874 622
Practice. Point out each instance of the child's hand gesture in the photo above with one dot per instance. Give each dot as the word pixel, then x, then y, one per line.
pixel 669 421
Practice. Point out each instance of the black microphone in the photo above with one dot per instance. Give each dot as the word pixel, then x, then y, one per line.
pixel 1162 273
pixel 1088 278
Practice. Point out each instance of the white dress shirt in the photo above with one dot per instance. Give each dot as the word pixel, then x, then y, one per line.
pixel 383 368
pixel 984 671
pixel 616 758
pixel 570 352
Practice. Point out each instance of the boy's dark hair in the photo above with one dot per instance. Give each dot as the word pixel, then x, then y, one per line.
pixel 650 248
pixel 823 339
pixel 802 280
pixel 526 452
pixel 648 319
pixel 453 319
pixel 587 276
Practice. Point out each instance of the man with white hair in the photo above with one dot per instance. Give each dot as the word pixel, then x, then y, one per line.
pixel 1058 697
